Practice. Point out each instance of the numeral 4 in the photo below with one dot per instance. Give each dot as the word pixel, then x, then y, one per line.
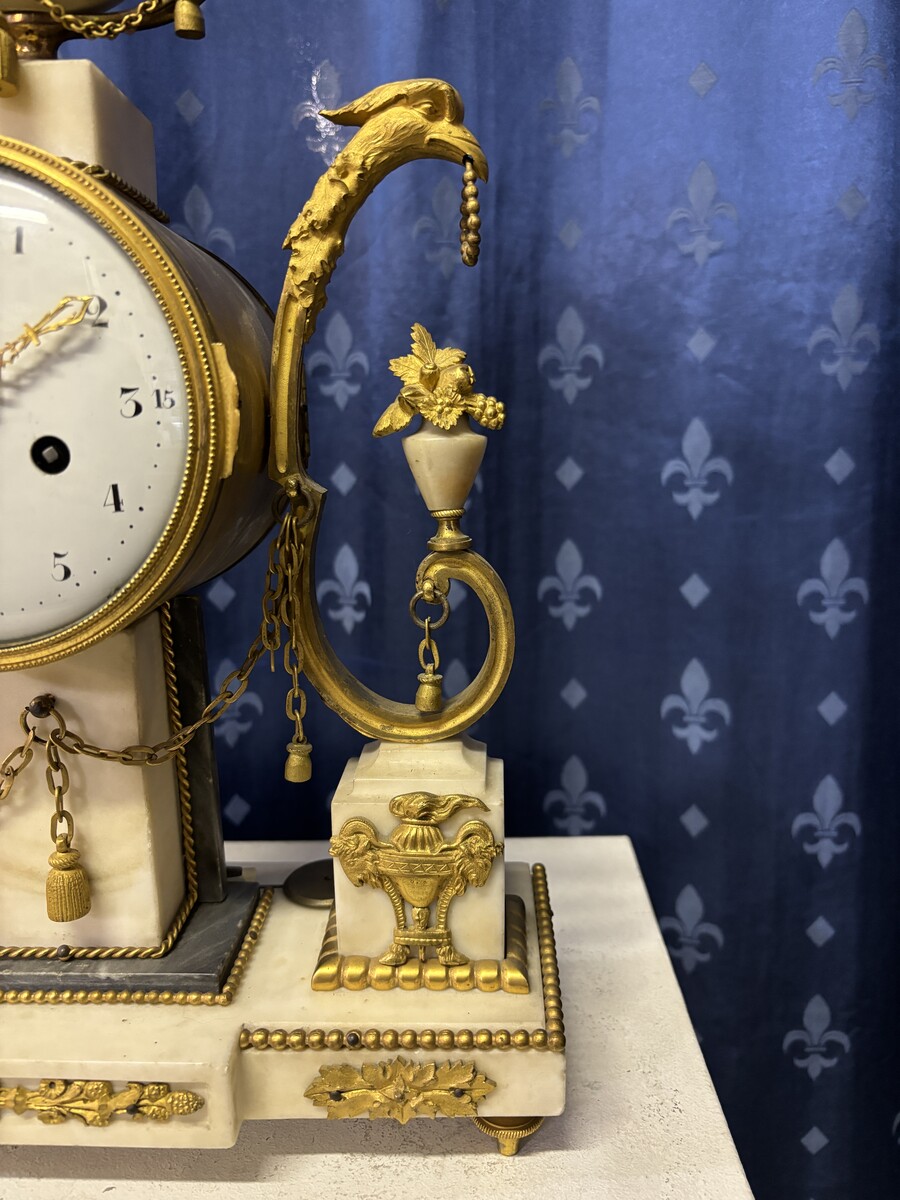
pixel 113 499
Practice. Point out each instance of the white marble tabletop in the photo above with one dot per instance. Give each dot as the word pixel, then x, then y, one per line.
pixel 642 1121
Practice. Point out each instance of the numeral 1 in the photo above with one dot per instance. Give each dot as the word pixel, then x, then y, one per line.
pixel 20 238
pixel 164 397
pixel 60 572
pixel 113 499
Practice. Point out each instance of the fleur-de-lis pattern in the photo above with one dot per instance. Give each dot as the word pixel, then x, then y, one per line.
pixel 827 830
pixel 341 366
pixel 573 808
pixel 441 228
pixel 198 226
pixel 833 606
pixel 325 138
pixel 693 940
pixel 576 592
pixel 703 211
pixel 852 65
pixel 852 341
pixel 570 352
pixel 774 331
pixel 697 469
pixel 572 109
pixel 813 1047
pixel 348 595
pixel 702 715
pixel 240 717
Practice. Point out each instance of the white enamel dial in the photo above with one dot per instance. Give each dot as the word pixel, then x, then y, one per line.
pixel 94 424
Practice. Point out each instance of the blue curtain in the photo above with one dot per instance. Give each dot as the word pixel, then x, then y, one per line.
pixel 687 301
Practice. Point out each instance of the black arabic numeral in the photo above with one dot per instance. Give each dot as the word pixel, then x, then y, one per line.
pixel 131 406
pixel 113 499
pixel 164 397
pixel 96 313
pixel 60 571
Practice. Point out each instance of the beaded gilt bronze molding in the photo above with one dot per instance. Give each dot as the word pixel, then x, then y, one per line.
pixel 551 1037
pixel 96 171
pixel 143 996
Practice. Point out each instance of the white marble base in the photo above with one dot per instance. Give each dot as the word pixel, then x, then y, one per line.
pixel 365 919
pixel 198 1048
pixel 127 819
pixel 70 108
pixel 642 1121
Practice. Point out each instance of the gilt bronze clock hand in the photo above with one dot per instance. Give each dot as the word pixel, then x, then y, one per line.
pixel 57 318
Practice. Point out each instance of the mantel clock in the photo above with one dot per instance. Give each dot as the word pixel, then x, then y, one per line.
pixel 153 413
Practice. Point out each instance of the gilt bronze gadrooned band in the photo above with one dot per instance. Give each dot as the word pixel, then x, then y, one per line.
pixel 551 1037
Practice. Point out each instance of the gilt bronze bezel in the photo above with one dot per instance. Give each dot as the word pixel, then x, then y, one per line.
pixel 196 497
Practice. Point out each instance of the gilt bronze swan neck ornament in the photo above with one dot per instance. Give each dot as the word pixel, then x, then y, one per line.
pixel 398 122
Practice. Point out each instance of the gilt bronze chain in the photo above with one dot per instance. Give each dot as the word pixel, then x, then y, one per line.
pixel 285 556
pixel 185 13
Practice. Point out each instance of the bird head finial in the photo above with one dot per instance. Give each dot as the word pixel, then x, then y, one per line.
pixel 426 113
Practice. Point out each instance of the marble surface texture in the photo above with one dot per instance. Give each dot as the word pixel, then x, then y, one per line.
pixel 129 834
pixel 642 1120
pixel 71 108
pixel 200 960
pixel 384 770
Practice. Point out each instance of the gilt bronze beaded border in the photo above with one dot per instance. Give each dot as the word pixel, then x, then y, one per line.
pixel 356 972
pixel 551 1037
pixel 150 996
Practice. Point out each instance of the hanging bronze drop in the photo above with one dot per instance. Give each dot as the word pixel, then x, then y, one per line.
pixel 470 221
pixel 68 888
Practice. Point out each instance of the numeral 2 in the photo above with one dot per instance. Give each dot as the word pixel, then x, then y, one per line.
pixel 96 313
pixel 60 571
pixel 113 499
pixel 131 406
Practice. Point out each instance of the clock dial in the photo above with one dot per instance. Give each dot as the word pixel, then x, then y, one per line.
pixel 94 416
pixel 134 374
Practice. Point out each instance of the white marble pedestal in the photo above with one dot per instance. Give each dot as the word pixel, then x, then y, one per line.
pixel 369 783
pixel 642 1121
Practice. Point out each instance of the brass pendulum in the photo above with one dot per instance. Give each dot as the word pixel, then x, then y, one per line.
pixel 68 889
pixel 470 221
